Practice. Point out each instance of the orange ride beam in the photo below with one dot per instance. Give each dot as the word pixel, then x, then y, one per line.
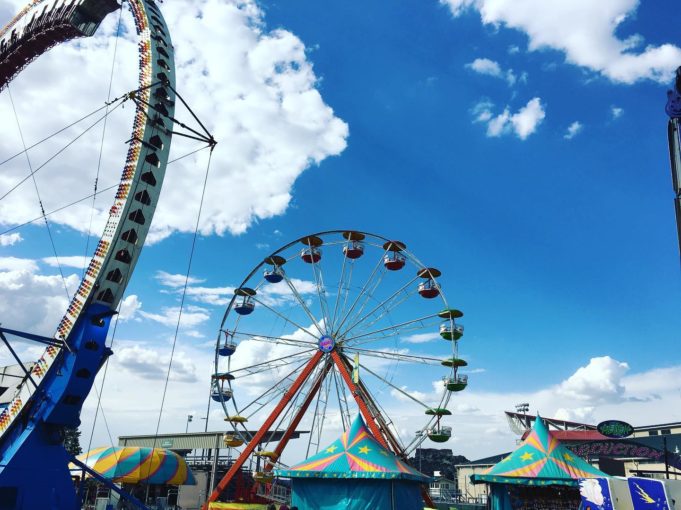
pixel 253 443
pixel 341 363
pixel 364 409
pixel 365 395
pixel 296 420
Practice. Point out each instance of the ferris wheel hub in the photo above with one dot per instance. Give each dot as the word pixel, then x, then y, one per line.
pixel 326 343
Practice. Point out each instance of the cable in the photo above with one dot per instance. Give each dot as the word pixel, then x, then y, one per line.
pixel 101 144
pixel 33 172
pixel 35 185
pixel 184 295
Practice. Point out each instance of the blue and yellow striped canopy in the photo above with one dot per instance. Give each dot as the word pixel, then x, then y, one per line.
pixel 134 464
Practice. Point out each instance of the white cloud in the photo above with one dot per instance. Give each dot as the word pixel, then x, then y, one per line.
pixel 492 68
pixel 599 381
pixel 77 261
pixel 254 88
pixel 10 239
pixel 17 264
pixel 192 316
pixel 616 112
pixel 175 280
pixel 573 130
pixel 585 31
pixel 421 338
pixel 148 363
pixel 522 123
pixel 129 307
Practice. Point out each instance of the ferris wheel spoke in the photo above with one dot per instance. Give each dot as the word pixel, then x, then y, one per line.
pixel 319 417
pixel 344 286
pixel 368 295
pixel 378 265
pixel 338 293
pixel 282 316
pixel 321 293
pixel 394 329
pixel 387 305
pixel 343 407
pixel 410 358
pixel 270 364
pixel 396 388
pixel 302 303
pixel 274 339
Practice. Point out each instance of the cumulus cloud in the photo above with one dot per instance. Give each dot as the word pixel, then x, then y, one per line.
pixel 573 130
pixel 492 68
pixel 77 261
pixel 616 112
pixel 148 363
pixel 254 88
pixel 599 381
pixel 175 280
pixel 16 264
pixel 585 31
pixel 129 307
pixel 192 316
pixel 522 123
pixel 10 239
pixel 421 338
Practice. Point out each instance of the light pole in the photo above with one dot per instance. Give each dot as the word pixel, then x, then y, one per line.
pixel 523 408
pixel 190 417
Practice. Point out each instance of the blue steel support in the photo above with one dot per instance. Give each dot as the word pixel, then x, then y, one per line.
pixel 123 494
pixel 33 448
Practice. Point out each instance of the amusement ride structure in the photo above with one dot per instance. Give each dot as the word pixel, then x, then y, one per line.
pixel 327 323
pixel 674 135
pixel 34 470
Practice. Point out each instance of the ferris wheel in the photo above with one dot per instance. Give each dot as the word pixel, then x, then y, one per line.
pixel 332 322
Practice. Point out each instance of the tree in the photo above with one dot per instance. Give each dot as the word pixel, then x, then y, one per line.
pixel 72 441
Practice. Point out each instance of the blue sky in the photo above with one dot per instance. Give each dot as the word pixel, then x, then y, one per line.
pixel 552 223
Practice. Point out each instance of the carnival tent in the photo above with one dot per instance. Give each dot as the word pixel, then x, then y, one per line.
pixel 133 464
pixel 355 472
pixel 543 466
pixel 539 460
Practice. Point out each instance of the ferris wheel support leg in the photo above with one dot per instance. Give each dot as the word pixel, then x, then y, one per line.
pixel 364 409
pixel 253 443
pixel 366 396
pixel 296 419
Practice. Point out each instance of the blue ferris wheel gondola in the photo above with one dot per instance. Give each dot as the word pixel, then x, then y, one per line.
pixel 229 347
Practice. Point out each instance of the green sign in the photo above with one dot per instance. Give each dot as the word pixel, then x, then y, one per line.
pixel 166 443
pixel 615 428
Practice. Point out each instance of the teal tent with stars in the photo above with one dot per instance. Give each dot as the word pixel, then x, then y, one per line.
pixel 355 472
pixel 542 466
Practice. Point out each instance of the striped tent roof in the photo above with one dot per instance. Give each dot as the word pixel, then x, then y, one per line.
pixel 356 454
pixel 134 464
pixel 539 460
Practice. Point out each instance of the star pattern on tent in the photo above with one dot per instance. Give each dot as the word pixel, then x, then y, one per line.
pixel 331 449
pixel 568 457
pixel 527 456
pixel 364 449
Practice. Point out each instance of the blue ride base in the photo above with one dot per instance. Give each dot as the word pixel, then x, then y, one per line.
pixel 34 466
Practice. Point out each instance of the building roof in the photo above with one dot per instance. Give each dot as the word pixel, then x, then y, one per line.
pixel 487 461
pixel 196 440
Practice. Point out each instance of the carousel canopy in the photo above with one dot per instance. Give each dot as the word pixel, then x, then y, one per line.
pixel 134 464
pixel 539 460
pixel 356 454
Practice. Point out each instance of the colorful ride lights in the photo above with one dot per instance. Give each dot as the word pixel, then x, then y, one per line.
pixel 246 304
